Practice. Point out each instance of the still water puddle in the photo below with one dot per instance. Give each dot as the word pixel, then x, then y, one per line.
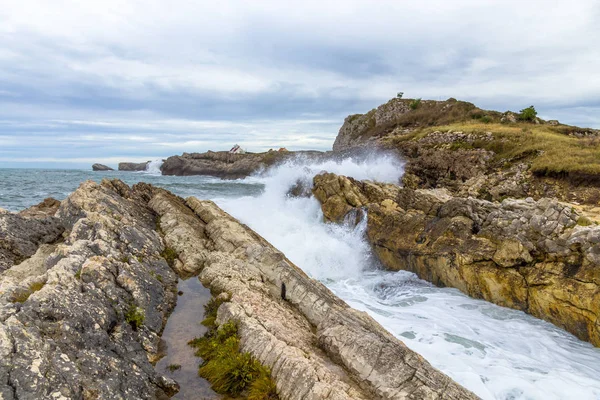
pixel 184 325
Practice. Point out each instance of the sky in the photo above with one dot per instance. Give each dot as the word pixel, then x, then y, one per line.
pixel 109 81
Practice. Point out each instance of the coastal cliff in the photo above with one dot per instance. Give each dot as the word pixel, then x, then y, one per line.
pixel 81 312
pixel 541 257
pixel 480 153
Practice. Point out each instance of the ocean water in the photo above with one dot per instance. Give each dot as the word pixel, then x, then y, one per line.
pixel 496 352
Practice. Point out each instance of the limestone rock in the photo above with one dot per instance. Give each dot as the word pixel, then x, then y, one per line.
pixel 64 329
pixel 524 254
pixel 316 345
pixel 20 236
pixel 101 167
pixel 82 317
pixel 47 208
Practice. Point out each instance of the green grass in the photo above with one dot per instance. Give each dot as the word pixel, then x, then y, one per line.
pixel 170 255
pixel 135 316
pixel 549 150
pixel 230 371
pixel 414 104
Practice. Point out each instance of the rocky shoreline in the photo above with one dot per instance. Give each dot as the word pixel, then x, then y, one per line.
pixel 542 257
pixel 82 317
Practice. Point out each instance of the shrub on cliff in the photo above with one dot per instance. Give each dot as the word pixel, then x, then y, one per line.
pixel 527 114
pixel 415 104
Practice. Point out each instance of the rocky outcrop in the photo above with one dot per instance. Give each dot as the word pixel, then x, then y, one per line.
pixel 20 236
pixel 47 208
pixel 316 345
pixel 129 166
pixel 541 257
pixel 82 318
pixel 101 167
pixel 225 165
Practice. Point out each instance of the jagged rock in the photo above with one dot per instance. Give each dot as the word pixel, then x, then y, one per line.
pixel 129 166
pixel 64 328
pixel 509 117
pixel 524 254
pixel 47 208
pixel 82 318
pixel 315 344
pixel 101 167
pixel 20 237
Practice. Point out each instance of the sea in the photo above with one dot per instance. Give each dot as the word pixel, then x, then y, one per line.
pixel 496 352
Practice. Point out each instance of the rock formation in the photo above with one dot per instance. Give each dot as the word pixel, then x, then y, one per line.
pixel 101 167
pixel 225 165
pixel 47 208
pixel 541 257
pixel 21 234
pixel 129 166
pixel 480 153
pixel 82 316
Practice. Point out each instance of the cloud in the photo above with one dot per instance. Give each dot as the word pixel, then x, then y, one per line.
pixel 146 78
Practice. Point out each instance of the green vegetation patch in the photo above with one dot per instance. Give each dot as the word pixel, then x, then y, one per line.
pixel 174 367
pixel 170 255
pixel 135 316
pixel 549 151
pixel 230 371
pixel 414 104
pixel 23 296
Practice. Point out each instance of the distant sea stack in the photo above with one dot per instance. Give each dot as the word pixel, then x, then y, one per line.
pixel 128 166
pixel 101 167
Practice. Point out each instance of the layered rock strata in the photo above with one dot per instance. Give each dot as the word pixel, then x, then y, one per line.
pixel 82 318
pixel 316 346
pixel 541 257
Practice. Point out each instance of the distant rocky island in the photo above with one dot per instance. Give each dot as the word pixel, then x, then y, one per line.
pixel 502 206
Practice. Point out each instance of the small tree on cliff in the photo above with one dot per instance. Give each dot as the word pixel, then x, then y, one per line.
pixel 528 114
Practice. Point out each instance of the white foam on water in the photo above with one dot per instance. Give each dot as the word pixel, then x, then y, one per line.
pixel 496 352
pixel 153 167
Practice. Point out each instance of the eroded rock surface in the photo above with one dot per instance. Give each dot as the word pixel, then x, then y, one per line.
pixel 47 208
pixel 535 256
pixel 81 318
pixel 20 236
pixel 315 344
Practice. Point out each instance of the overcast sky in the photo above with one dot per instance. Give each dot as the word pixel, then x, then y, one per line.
pixel 108 81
